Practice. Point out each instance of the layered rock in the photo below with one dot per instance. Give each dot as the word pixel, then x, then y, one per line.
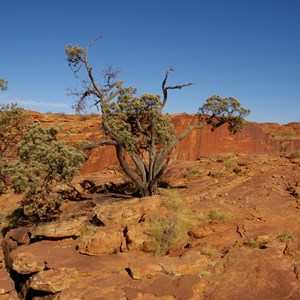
pixel 255 138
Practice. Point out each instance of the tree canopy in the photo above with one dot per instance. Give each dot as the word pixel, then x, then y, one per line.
pixel 142 135
pixel 3 84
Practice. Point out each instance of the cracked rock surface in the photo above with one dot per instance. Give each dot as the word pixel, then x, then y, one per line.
pixel 244 244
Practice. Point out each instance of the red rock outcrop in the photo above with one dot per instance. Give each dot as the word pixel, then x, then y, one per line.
pixel 255 138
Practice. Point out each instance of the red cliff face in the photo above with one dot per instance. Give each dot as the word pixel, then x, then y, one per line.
pixel 255 138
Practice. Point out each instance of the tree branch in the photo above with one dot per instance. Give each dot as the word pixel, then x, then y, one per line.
pixel 100 143
pixel 166 151
pixel 166 88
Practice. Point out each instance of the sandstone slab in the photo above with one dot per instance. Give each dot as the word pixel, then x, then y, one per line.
pixel 103 241
pixel 54 281
pixel 60 229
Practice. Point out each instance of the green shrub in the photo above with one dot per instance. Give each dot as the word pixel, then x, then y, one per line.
pixel 42 163
pixel 295 154
pixel 3 173
pixel 13 123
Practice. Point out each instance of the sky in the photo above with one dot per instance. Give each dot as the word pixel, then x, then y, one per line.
pixel 248 49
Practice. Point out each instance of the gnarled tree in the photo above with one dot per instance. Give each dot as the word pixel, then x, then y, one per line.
pixel 136 126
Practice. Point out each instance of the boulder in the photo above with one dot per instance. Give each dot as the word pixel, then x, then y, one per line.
pixel 20 235
pixel 6 283
pixel 103 241
pixel 27 263
pixel 136 237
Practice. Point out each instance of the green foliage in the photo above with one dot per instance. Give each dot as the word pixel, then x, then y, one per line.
pixel 295 154
pixel 4 172
pixel 41 205
pixel 74 54
pixel 11 219
pixel 136 126
pixel 135 121
pixel 217 111
pixel 13 122
pixel 3 85
pixel 42 163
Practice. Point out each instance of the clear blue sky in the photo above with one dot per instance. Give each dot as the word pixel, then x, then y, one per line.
pixel 249 49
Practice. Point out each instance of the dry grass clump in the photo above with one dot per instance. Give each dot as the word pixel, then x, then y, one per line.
pixel 194 173
pixel 215 174
pixel 258 243
pixel 218 216
pixel 286 236
pixel 166 231
pixel 230 162
pixel 294 155
pixel 209 250
pixel 172 200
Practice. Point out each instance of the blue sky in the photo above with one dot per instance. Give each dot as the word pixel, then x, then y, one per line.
pixel 248 49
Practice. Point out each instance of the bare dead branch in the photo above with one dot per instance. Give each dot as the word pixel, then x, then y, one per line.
pixel 166 88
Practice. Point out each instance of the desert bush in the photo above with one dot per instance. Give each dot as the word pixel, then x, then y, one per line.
pixel 42 163
pixel 13 123
pixel 166 231
pixel 294 155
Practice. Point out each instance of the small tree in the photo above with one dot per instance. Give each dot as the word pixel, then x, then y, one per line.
pixel 142 136
pixel 42 163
